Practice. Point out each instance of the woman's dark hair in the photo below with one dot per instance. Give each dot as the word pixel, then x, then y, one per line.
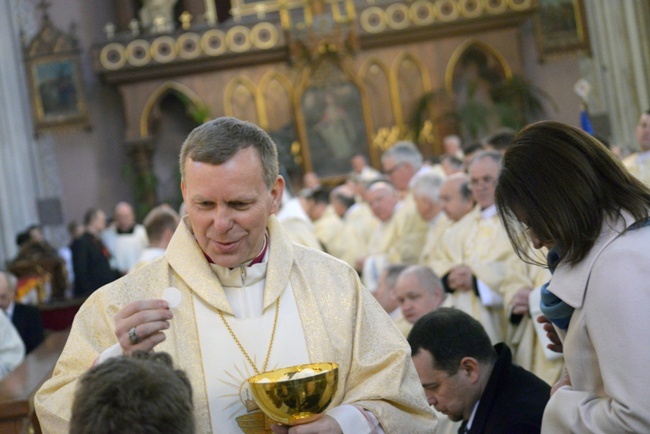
pixel 562 184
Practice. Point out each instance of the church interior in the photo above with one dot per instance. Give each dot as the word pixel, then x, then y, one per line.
pixel 362 74
pixel 98 97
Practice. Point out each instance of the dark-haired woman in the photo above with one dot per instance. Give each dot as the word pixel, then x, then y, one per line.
pixel 560 188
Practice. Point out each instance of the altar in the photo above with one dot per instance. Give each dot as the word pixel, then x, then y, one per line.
pixel 327 79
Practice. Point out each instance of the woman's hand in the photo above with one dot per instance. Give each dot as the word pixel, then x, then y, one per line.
pixel 551 333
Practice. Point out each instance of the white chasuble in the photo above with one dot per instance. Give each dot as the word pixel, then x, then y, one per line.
pixel 225 367
pixel 339 321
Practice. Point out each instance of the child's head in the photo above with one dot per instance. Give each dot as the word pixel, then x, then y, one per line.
pixel 138 394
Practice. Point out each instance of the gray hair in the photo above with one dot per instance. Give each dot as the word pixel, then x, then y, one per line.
pixel 404 152
pixel 425 277
pixel 427 184
pixel 218 140
pixel 496 156
pixel 12 281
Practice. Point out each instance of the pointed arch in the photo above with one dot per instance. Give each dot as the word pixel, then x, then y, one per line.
pixel 156 97
pixel 265 85
pixel 374 66
pixel 462 48
pixel 402 59
pixel 229 93
pixel 424 72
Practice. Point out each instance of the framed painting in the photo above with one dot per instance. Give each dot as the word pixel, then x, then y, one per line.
pixel 560 26
pixel 57 92
pixel 335 126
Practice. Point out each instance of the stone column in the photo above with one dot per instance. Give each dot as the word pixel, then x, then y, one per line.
pixel 19 187
pixel 620 66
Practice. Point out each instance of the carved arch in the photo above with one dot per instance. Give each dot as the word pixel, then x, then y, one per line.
pixel 248 84
pixel 424 77
pixel 393 92
pixel 462 48
pixel 266 81
pixel 156 97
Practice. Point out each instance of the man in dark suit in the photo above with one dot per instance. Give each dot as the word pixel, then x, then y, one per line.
pixel 26 319
pixel 90 258
pixel 467 379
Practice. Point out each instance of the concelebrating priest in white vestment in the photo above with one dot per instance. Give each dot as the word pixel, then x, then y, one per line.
pixel 251 301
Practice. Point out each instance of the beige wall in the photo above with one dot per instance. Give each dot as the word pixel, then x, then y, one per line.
pixel 91 163
pixel 556 76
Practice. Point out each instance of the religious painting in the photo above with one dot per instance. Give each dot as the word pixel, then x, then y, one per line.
pixel 560 26
pixel 475 71
pixel 335 126
pixel 57 91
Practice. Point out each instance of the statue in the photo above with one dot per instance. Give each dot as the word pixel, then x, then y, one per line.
pixel 157 16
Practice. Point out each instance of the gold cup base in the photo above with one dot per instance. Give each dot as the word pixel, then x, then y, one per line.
pixel 304 417
pixel 255 423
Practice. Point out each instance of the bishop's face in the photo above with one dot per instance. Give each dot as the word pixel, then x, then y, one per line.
pixel 228 206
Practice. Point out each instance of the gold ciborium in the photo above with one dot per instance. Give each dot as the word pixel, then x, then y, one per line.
pixel 295 395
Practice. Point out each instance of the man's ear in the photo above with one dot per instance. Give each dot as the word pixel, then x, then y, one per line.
pixel 276 193
pixel 471 368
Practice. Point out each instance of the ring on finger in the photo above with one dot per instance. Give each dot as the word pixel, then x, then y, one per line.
pixel 133 336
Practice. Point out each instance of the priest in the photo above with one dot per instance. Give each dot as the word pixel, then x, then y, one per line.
pixel 251 301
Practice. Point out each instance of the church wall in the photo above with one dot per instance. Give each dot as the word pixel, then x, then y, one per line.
pixel 556 76
pixel 91 164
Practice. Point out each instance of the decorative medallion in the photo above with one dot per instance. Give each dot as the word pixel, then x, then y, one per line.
pixel 163 49
pixel 373 20
pixel 138 52
pixel 113 56
pixel 213 42
pixel 264 36
pixel 447 10
pixel 397 16
pixel 470 8
pixel 238 39
pixel 422 12
pixel 496 6
pixel 188 46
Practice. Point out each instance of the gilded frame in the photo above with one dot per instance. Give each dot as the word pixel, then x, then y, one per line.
pixel 330 166
pixel 561 26
pixel 57 91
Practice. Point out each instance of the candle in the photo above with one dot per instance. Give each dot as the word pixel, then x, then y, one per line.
pixel 210 12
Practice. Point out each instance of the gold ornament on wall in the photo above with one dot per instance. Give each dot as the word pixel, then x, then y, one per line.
pixel 53 63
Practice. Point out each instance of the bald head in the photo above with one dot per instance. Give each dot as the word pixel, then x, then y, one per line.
pixel 382 198
pixel 452 144
pixel 456 197
pixel 124 216
pixel 418 291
